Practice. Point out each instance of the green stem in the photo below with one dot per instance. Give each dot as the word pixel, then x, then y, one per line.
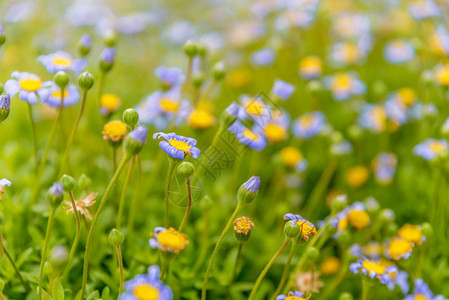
pixel 217 247
pixel 237 260
pixel 189 206
pixel 43 162
pixel 100 87
pixel 77 236
pixel 16 270
pixel 188 75
pixel 44 250
pixel 172 162
pixel 286 269
pixel 123 195
pixel 132 210
pixel 365 288
pixel 267 267
pixel 33 129
pixel 90 235
pixel 73 133
pixel 114 158
pixel 120 267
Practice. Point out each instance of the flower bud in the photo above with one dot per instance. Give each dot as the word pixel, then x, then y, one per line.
pixel 55 194
pixel 116 238
pixel 206 202
pixel 84 182
pixel 198 80
pixel 131 117
pixel 107 59
pixel 427 230
pixel 135 140
pixel 230 114
pixel 190 48
pixel 202 49
pixel 86 81
pixel 291 229
pixel 312 253
pixel 219 71
pixel 5 107
pixel 186 169
pixel 391 228
pixel 249 190
pixel 379 87
pixel 338 203
pixel 242 229
pixel 68 183
pixel 61 79
pixel 386 215
pixel 110 39
pixel 2 35
pixel 49 270
pixel 58 257
pixel 85 45
pixel 344 237
pixel 345 296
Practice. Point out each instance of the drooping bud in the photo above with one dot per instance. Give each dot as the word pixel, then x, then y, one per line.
pixel 135 140
pixel 5 107
pixel 291 229
pixel 116 238
pixel 85 45
pixel 86 81
pixel 68 183
pixel 249 190
pixel 55 194
pixel 107 59
pixel 131 117
pixel 242 229
pixel 61 79
pixel 186 169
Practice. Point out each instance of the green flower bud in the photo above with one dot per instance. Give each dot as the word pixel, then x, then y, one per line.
pixel 338 203
pixel 186 169
pixel 291 229
pixel 86 81
pixel 344 237
pixel 336 137
pixel 355 132
pixel 206 202
pixel 249 190
pixel 50 271
pixel 427 230
pixel 2 35
pixel 5 107
pixel 391 228
pixel 55 194
pixel 312 253
pixel 84 182
pixel 131 117
pixel 116 238
pixel 68 182
pixel 61 79
pixel 190 48
pixel 386 215
pixel 219 71
pixel 135 140
pixel 59 256
pixel 84 45
pixel 198 80
pixel 345 296
pixel 379 87
pixel 201 48
pixel 110 39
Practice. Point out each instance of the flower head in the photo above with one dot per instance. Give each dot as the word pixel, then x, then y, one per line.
pixel 170 77
pixel 29 86
pixel 344 85
pixel 177 146
pixel 293 158
pixel 309 124
pixel 82 205
pixel 282 90
pixel 399 51
pixel 399 248
pixel 431 149
pixel 147 287
pixel 3 182
pixel 441 74
pixel 357 176
pixel 201 119
pixel 308 229
pixel 168 240
pixel 62 61
pixel 71 96
pixel 357 216
pixel 307 282
pixel 109 103
pixel 422 292
pixel 291 296
pixel 383 270
pixel 252 138
pixel 243 225
pixel 114 131
pixel 5 106
pixel 384 165
pixel 310 67
pixel 411 233
pixel 373 117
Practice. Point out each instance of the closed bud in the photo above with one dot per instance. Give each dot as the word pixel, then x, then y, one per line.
pixel 344 237
pixel 291 229
pixel 186 169
pixel 2 35
pixel 61 79
pixel 55 194
pixel 249 190
pixel 338 203
pixel 386 215
pixel 201 48
pixel 206 202
pixel 135 140
pixel 116 238
pixel 85 45
pixel 312 253
pixel 107 58
pixel 198 80
pixel 84 182
pixel 190 48
pixel 345 296
pixel 219 71
pixel 58 257
pixel 68 182
pixel 86 81
pixel 110 39
pixel 131 117
pixel 427 230
pixel 379 87
pixel 5 107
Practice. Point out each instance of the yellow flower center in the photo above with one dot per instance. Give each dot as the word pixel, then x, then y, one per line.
pixel 399 247
pixel 342 224
pixel 180 145
pixel 310 64
pixel 407 96
pixel 30 84
pixel 255 107
pixel 330 265
pixel 249 134
pixel 307 229
pixel 437 147
pixel 291 156
pixel 306 120
pixel 420 297
pixel 342 81
pixel 375 266
pixel 243 225
pixel 357 176
pixel 172 239
pixel 58 94
pixel 411 233
pixel 62 61
pixel 201 119
pixel 275 133
pixel 350 53
pixel 358 218
pixel 146 292
pixel 294 298
pixel 110 101
pixel 442 75
pixel 169 105
pixel 114 130
pixel 239 78
pixel 379 117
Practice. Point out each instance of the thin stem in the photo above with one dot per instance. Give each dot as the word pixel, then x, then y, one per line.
pixel 267 267
pixel 120 267
pixel 33 129
pixel 90 235
pixel 72 135
pixel 86 224
pixel 44 249
pixel 165 263
pixel 16 270
pixel 286 269
pixel 205 243
pixel 77 235
pixel 100 87
pixel 114 158
pixel 171 167
pixel 123 195
pixel 237 260
pixel 132 211
pixel 217 247
pixel 189 206
pixel 43 162
pixel 188 75
pixel 365 288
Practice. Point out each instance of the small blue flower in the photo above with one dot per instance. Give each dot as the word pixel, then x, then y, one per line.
pixel 424 9
pixel 422 291
pixel 431 149
pixel 170 77
pixel 71 96
pixel 86 41
pixel 147 286
pixel 399 51
pixel 108 55
pixel 233 110
pixel 252 184
pixel 57 189
pixel 384 167
pixel 282 89
pixel 29 86
pixel 263 57
pixel 344 85
pixel 373 117
pixel 62 61
pixel 139 134
pixel 291 295
pixel 401 280
pixel 5 102
pixel 177 146
pixel 309 124
pixel 251 138
pixel 3 182
pixel 380 269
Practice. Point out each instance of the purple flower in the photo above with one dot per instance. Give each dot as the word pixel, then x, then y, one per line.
pixel 5 102
pixel 71 96
pixel 147 282
pixel 107 55
pixel 170 77
pixel 422 291
pixel 62 61
pixel 252 138
pixel 139 134
pixel 282 89
pixel 177 146
pixel 57 189
pixel 263 57
pixel 29 87
pixel 252 184
pixel 86 41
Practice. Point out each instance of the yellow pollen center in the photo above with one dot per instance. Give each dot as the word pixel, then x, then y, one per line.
pixel 350 52
pixel 180 145
pixel 358 218
pixel 172 239
pixel 399 247
pixel 114 130
pixel 146 292
pixel 442 75
pixel 306 120
pixel 62 61
pixel 437 147
pixel 110 101
pixel 275 133
pixel 255 108
pixel 307 229
pixel 169 105
pixel 30 84
pixel 201 119
pixel 58 94
pixel 420 297
pixel 249 134
pixel 310 64
pixel 406 96
pixel 291 156
pixel 411 233
pixel 375 266
pixel 342 82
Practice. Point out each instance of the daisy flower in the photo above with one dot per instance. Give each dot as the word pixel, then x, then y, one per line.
pixel 177 146
pixel 431 149
pixel 168 240
pixel 423 292
pixel 62 61
pixel 147 286
pixel 71 96
pixel 29 87
pixel 383 270
pixel 309 124
pixel 308 229
pixel 253 138
pixel 82 205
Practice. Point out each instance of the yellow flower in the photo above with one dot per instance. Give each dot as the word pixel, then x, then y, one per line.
pixel 358 218
pixel 310 66
pixel 109 103
pixel 169 105
pixel 411 233
pixel 243 225
pixel 201 119
pixel 114 131
pixel 168 240
pixel 357 176
pixel 407 96
pixel 330 265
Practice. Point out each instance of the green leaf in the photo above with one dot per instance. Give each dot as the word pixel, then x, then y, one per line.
pixel 58 290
